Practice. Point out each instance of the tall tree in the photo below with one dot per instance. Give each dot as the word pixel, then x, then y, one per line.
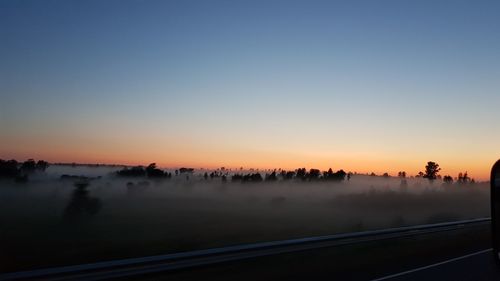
pixel 431 170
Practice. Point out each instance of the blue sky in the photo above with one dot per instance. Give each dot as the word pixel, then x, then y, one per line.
pixel 373 78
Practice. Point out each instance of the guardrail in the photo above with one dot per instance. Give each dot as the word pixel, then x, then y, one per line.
pixel 159 263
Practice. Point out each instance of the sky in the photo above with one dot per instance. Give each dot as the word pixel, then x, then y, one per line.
pixel 367 86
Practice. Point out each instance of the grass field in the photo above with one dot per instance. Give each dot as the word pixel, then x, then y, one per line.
pixel 49 222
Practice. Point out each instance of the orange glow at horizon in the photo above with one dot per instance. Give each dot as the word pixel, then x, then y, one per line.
pixel 234 158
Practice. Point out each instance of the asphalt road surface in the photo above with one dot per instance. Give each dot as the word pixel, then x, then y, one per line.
pixel 478 266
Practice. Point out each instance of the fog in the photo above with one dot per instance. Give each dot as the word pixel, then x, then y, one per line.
pixel 50 221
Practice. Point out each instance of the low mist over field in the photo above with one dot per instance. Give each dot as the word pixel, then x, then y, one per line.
pixel 101 215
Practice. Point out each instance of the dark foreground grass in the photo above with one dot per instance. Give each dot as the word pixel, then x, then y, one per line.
pixel 45 224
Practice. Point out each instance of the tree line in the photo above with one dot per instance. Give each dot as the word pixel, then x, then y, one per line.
pixel 21 170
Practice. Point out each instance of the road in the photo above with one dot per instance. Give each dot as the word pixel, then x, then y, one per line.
pixel 460 268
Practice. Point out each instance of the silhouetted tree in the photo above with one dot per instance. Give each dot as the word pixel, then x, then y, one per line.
pixel 463 178
pixel 13 169
pixel 255 177
pixel 137 171
pixel 236 177
pixel 186 170
pixel 402 174
pixel 337 176
pixel 431 170
pixel 314 174
pixel 287 175
pixel 153 172
pixel 28 166
pixel 301 173
pixel 328 174
pixel 81 205
pixel 271 177
pixel 42 165
pixel 9 168
pixel 448 179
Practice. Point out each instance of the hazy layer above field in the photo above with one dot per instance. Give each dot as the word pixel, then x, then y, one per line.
pixel 116 217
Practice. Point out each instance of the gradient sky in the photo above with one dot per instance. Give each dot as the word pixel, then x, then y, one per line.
pixel 360 85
